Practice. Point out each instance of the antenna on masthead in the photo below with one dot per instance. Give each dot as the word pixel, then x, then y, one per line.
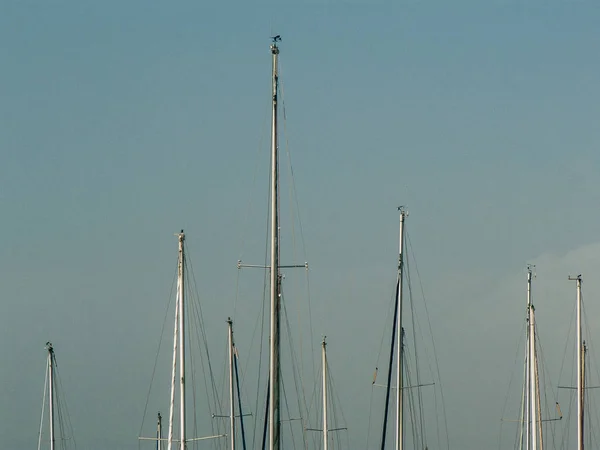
pixel 276 39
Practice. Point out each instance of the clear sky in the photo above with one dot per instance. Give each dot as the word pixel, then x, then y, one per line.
pixel 123 122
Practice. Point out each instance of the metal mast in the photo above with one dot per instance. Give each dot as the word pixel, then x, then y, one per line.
pixel 180 298
pixel 231 392
pixel 325 429
pixel 399 380
pixel 159 432
pixel 528 362
pixel 583 352
pixel 532 382
pixel 51 391
pixel 579 353
pixel 173 375
pixel 274 403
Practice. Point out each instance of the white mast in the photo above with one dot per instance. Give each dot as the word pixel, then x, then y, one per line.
pixel 399 350
pixel 51 391
pixel 579 352
pixel 231 393
pixel 528 363
pixel 532 382
pixel 274 412
pixel 173 374
pixel 583 352
pixel 325 429
pixel 180 298
pixel 179 340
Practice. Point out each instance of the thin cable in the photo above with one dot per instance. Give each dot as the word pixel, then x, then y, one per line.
pixel 433 345
pixel 157 354
pixel 250 205
pixel 43 407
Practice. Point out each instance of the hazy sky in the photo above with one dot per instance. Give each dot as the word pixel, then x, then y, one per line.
pixel 123 122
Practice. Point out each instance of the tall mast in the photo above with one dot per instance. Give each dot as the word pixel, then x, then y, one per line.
pixel 173 375
pixel 51 391
pixel 399 380
pixel 274 412
pixel 528 362
pixel 325 429
pixel 532 381
pixel 583 352
pixel 159 432
pixel 579 352
pixel 231 394
pixel 180 299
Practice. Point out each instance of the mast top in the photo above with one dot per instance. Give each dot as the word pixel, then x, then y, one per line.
pixel 578 278
pixel 275 40
pixel 49 346
pixel 403 211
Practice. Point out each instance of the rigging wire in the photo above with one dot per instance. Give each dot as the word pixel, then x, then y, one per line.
pixel 294 202
pixel 383 335
pixel 299 392
pixel 335 400
pixel 590 409
pixel 43 407
pixel 157 354
pixel 250 206
pixel 437 366
pixel 540 354
pixel 566 429
pixel 261 340
pixel 192 361
pixel 200 333
pixel 62 409
pixel 522 334
pixel 414 326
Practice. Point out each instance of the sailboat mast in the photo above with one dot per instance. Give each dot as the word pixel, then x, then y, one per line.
pixel 159 432
pixel 173 375
pixel 51 392
pixel 399 349
pixel 325 429
pixel 231 392
pixel 579 352
pixel 180 299
pixel 532 381
pixel 579 370
pixel 583 352
pixel 528 364
pixel 274 403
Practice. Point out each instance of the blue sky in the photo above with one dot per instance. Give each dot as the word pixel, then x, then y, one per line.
pixel 123 122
